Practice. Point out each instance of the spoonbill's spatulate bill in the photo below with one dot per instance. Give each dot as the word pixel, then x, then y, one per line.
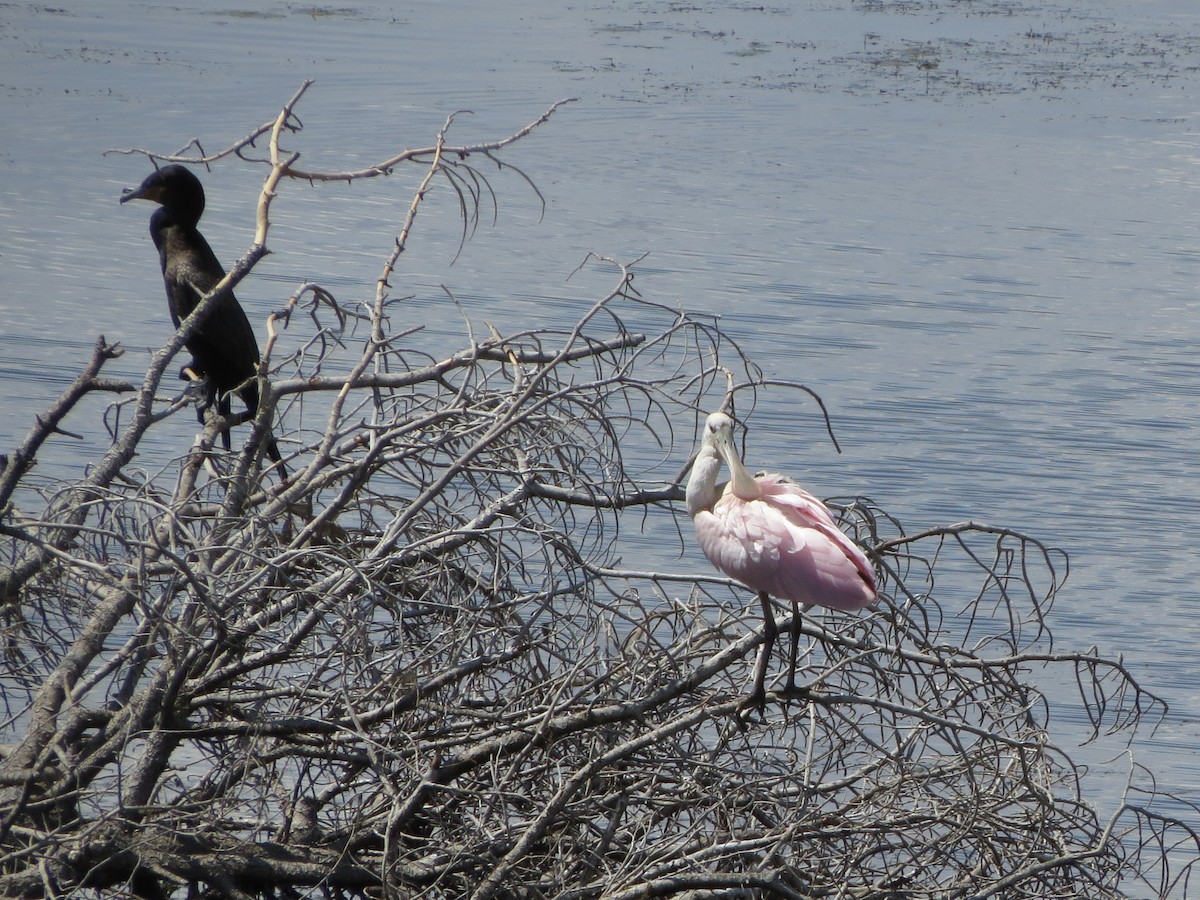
pixel 774 537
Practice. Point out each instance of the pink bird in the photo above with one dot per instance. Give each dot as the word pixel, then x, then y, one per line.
pixel 774 537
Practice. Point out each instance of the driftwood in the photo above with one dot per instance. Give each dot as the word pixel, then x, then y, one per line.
pixel 418 666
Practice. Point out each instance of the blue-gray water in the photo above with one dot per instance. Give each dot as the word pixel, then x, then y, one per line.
pixel 972 227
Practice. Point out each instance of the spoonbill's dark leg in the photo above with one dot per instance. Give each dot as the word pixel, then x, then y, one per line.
pixel 791 681
pixel 758 693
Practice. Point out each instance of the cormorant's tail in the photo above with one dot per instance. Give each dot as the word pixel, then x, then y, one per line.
pixel 249 395
pixel 276 457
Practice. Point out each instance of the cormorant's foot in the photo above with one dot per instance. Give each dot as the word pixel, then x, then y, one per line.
pixel 196 392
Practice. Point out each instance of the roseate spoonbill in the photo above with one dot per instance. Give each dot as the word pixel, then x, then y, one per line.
pixel 774 537
pixel 223 349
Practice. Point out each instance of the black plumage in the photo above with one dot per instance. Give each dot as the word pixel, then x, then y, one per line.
pixel 223 348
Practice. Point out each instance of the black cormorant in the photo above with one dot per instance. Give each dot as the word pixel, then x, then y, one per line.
pixel 223 348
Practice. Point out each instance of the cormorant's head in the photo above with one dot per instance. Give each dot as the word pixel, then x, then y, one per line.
pixel 176 188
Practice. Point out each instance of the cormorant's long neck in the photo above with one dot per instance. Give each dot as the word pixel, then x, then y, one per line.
pixel 160 223
pixel 163 221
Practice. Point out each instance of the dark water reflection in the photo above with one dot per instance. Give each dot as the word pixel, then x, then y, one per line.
pixel 971 227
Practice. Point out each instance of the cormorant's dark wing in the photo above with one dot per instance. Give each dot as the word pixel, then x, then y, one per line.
pixel 224 348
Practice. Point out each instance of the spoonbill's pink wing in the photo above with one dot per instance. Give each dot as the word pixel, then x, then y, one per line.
pixel 807 511
pixel 786 544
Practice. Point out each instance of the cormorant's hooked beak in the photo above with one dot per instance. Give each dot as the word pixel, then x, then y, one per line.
pixel 150 189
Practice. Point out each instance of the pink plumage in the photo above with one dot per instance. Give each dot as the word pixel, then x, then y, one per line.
pixel 785 543
pixel 774 537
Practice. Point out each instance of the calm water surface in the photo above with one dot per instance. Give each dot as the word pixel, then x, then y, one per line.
pixel 972 227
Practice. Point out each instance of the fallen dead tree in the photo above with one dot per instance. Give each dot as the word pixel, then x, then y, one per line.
pixel 417 667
